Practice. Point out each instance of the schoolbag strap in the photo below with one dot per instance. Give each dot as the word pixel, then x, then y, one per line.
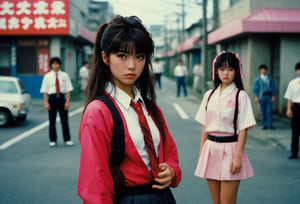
pixel 211 93
pixel 118 138
pixel 236 111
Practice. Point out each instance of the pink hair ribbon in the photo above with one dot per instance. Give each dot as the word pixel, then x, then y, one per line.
pixel 213 64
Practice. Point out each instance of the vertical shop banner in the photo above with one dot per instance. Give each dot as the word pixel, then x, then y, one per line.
pixel 34 17
pixel 43 61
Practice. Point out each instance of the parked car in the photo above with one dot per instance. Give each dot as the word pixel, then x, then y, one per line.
pixel 15 101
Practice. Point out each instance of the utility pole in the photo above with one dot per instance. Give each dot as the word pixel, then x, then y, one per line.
pixel 166 45
pixel 166 34
pixel 183 20
pixel 216 14
pixel 182 14
pixel 204 44
pixel 178 30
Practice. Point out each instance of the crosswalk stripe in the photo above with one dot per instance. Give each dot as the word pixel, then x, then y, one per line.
pixel 180 111
pixel 30 132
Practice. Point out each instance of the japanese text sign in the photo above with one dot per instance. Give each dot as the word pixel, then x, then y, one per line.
pixel 43 60
pixel 31 17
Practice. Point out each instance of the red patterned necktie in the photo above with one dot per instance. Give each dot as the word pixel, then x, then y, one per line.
pixel 147 138
pixel 57 85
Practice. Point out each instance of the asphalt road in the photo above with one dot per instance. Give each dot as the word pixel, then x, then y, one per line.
pixel 31 172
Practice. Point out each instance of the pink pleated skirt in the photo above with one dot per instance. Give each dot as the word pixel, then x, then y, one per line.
pixel 215 162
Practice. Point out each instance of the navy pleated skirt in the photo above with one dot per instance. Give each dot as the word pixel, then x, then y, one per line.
pixel 147 195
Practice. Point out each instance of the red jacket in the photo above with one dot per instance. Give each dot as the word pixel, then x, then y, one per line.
pixel 95 183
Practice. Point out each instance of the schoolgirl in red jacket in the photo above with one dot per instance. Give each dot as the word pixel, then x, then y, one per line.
pixel 121 71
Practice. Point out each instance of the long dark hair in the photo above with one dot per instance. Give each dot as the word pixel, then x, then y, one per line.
pixel 130 34
pixel 229 59
pixel 124 33
pixel 120 33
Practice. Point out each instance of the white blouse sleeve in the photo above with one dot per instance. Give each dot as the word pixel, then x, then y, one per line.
pixel 288 93
pixel 246 119
pixel 69 86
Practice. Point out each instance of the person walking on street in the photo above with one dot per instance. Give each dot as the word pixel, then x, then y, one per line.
pixel 84 74
pixel 140 163
pixel 264 90
pixel 226 115
pixel 292 95
pixel 157 71
pixel 56 88
pixel 181 72
pixel 198 77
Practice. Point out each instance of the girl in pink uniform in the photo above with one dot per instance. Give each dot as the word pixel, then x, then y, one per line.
pixel 222 159
pixel 121 71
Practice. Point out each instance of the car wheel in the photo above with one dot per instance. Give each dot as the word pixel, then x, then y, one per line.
pixel 4 117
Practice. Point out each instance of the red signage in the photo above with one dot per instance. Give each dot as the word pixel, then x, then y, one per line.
pixel 43 60
pixel 31 17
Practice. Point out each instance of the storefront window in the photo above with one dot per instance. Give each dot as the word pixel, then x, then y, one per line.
pixel 5 56
pixel 32 56
pixel 4 60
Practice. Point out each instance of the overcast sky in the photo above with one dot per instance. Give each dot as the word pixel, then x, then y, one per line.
pixel 158 11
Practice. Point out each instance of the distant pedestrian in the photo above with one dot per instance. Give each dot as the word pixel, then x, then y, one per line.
pixel 157 71
pixel 57 87
pixel 225 115
pixel 84 74
pixel 198 77
pixel 292 95
pixel 264 90
pixel 181 72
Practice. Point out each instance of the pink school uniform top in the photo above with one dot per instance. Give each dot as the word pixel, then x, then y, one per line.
pixel 215 158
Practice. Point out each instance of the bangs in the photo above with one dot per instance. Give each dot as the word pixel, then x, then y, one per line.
pixel 227 60
pixel 132 41
pixel 128 47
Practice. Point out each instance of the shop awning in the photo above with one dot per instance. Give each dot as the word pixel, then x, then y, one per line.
pixel 170 53
pixel 261 21
pixel 189 44
pixel 86 34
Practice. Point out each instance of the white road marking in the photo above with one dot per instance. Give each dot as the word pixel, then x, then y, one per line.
pixel 180 111
pixel 30 132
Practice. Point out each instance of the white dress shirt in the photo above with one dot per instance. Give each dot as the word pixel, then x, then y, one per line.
pixel 131 117
pixel 293 90
pixel 49 86
pixel 157 68
pixel 180 71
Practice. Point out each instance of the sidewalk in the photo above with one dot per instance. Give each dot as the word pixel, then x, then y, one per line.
pixel 281 135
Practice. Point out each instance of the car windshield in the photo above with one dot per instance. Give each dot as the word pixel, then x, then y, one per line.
pixel 8 87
